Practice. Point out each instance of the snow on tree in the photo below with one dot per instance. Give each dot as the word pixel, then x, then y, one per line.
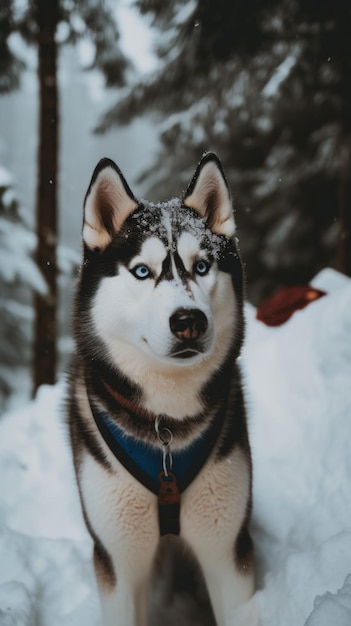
pixel 38 23
pixel 267 86
pixel 19 277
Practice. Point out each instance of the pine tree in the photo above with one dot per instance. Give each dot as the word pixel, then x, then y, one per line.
pixel 19 277
pixel 268 86
pixel 36 21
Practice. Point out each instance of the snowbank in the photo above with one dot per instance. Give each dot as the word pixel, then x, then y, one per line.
pixel 46 574
pixel 298 385
pixel 298 379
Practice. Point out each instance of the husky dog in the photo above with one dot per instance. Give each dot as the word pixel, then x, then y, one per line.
pixel 156 412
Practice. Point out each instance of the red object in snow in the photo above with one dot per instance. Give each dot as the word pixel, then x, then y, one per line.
pixel 280 307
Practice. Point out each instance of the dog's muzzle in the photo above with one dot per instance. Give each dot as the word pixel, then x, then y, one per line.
pixel 189 327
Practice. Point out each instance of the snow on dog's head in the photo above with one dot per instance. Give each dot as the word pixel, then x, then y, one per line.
pixel 167 277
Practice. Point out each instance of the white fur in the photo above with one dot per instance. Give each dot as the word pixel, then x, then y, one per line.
pixel 124 514
pixel 189 251
pixel 152 254
pixel 213 508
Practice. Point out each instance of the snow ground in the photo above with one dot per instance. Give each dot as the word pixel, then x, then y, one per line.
pixel 298 388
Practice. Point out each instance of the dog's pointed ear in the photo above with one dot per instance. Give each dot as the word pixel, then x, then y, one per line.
pixel 209 195
pixel 107 204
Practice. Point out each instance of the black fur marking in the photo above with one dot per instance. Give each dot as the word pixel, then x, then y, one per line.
pixel 215 391
pixel 178 572
pixel 103 564
pixel 243 550
pixel 102 560
pixel 131 422
pixel 230 262
pixel 182 272
pixel 235 428
pixel 167 271
pixel 98 371
pixel 82 437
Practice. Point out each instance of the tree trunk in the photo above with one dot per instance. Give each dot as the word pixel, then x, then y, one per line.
pixel 44 364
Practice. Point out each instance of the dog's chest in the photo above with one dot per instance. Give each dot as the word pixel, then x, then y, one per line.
pixel 119 505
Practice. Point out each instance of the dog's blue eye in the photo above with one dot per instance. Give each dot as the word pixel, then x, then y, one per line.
pixel 141 272
pixel 202 267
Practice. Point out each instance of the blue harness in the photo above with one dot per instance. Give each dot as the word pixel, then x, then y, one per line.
pixel 145 461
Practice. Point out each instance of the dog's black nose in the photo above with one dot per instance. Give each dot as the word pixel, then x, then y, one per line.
pixel 188 323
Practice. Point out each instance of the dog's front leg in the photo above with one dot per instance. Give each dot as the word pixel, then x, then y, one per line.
pixel 213 513
pixel 125 602
pixel 122 519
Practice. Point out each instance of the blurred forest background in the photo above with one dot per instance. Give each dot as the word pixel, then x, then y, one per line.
pixel 264 83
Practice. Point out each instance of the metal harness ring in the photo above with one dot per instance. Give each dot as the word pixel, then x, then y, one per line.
pixel 166 454
pixel 165 437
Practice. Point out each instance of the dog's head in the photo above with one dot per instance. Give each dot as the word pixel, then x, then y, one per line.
pixel 162 281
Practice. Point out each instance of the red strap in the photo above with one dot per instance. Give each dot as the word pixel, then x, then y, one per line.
pixel 128 404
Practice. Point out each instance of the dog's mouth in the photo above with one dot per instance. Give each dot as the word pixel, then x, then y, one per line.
pixel 185 353
pixel 187 350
